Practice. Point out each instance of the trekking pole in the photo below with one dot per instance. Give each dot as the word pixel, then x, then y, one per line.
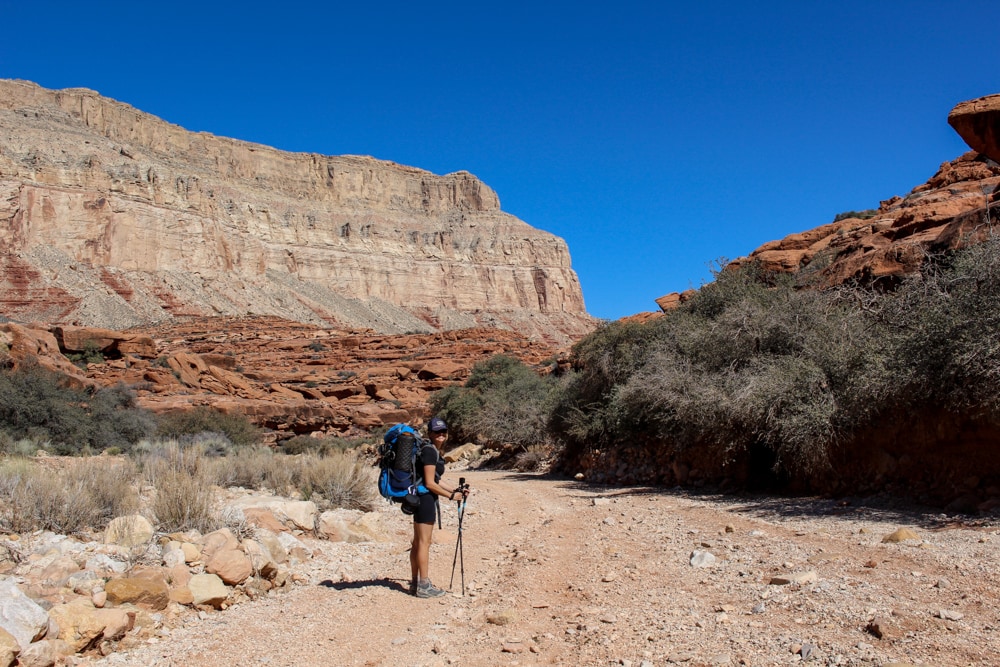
pixel 459 552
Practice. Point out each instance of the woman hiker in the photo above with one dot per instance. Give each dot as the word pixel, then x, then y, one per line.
pixel 423 519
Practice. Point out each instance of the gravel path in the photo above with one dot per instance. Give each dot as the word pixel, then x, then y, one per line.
pixel 561 573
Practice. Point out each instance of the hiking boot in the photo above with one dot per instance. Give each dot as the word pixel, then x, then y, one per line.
pixel 429 590
pixel 413 588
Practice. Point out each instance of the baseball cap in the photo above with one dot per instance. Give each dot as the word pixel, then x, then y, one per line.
pixel 437 424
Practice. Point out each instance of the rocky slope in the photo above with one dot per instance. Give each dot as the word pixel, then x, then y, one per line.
pixel 114 218
pixel 288 377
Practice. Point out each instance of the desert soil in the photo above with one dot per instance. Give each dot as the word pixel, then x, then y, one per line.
pixel 564 573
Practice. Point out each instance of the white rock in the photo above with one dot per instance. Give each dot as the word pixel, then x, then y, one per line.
pixel 20 615
pixel 702 558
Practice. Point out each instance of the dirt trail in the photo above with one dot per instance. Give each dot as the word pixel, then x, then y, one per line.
pixel 563 573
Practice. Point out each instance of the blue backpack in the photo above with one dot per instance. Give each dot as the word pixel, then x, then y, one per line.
pixel 400 473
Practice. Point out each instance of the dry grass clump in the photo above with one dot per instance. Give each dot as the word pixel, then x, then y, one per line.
pixel 84 495
pixel 534 459
pixel 182 483
pixel 184 495
pixel 341 480
pixel 255 468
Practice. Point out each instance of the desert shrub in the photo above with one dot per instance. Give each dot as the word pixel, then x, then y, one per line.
pixel 91 354
pixel 85 495
pixel 305 444
pixel 236 427
pixel 861 215
pixel 341 480
pixel 253 468
pixel 749 361
pixel 503 402
pixel 116 420
pixel 182 479
pixel 34 404
pixel 534 458
pixel 943 332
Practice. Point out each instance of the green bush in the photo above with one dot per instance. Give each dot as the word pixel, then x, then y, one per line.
pixel 34 404
pixel 861 215
pixel 755 363
pixel 237 428
pixel 504 402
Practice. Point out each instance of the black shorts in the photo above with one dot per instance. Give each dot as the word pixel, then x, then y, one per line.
pixel 427 511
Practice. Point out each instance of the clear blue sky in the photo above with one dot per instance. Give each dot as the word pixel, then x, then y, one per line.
pixel 655 137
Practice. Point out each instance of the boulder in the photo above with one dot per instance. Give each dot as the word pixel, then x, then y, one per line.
pixel 231 565
pixel 20 616
pixel 216 541
pixel 207 589
pixel 82 626
pixel 351 526
pixel 129 531
pixel 141 591
pixel 978 123
pixel 300 514
pixel 9 649
pixel 44 653
pixel 260 559
pixel 80 339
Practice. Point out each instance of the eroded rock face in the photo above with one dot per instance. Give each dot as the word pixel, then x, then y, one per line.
pixel 114 218
pixel 978 123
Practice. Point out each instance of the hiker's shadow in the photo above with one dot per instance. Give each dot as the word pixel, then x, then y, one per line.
pixel 391 584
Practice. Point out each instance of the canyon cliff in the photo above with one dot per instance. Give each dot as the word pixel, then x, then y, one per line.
pixel 115 218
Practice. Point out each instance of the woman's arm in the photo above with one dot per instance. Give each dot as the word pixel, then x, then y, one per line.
pixel 433 486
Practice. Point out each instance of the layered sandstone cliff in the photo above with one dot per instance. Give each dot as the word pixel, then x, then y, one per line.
pixel 115 218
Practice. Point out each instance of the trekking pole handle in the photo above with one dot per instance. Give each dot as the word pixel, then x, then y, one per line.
pixel 463 489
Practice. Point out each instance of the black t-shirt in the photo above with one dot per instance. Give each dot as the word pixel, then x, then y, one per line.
pixel 429 457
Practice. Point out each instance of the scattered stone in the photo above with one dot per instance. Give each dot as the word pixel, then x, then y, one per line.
pixel 702 558
pixel 949 615
pixel 900 535
pixel 878 627
pixel 759 608
pixel 503 617
pixel 807 577
pixel 208 589
pixel 512 647
pixel 140 591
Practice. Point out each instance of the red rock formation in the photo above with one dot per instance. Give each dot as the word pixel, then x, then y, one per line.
pixel 286 376
pixel 978 123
